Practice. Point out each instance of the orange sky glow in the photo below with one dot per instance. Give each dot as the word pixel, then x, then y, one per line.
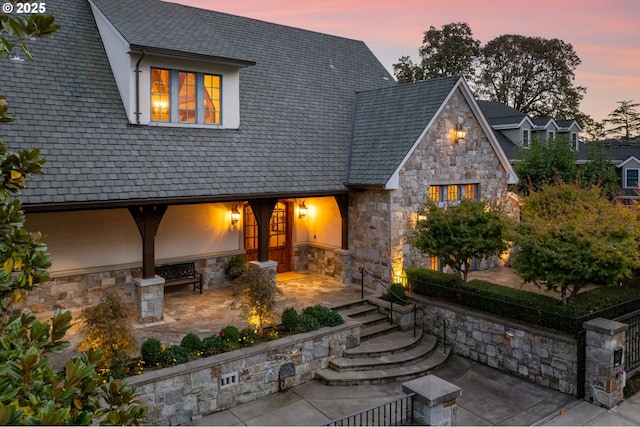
pixel 604 34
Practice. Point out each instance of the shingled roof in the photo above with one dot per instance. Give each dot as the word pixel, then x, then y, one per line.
pixel 296 109
pixel 387 123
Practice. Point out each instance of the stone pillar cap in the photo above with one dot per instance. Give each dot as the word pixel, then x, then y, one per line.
pixel 432 390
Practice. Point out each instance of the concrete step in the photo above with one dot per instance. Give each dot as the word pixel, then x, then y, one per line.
pixel 377 329
pixel 395 373
pixel 389 343
pixel 346 305
pixel 397 358
pixel 357 311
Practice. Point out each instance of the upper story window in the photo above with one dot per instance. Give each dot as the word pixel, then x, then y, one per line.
pixel 185 97
pixel 453 192
pixel 551 135
pixel 574 140
pixel 632 178
pixel 525 137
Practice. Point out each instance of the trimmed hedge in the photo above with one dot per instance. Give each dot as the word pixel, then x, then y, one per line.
pixel 604 301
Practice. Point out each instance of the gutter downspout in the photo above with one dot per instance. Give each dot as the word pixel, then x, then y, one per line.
pixel 138 87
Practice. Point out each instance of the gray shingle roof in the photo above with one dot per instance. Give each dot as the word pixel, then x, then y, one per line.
pixel 387 122
pixel 295 111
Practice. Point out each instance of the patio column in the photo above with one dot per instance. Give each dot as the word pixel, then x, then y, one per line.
pixel 343 204
pixel 262 210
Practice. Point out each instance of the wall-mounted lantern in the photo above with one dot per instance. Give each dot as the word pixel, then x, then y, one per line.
pixel 460 133
pixel 235 215
pixel 302 210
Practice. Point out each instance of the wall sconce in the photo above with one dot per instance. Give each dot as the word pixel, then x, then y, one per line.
pixel 302 210
pixel 460 132
pixel 235 215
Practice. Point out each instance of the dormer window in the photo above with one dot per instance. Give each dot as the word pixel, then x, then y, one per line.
pixel 525 137
pixel 574 140
pixel 185 97
pixel 551 135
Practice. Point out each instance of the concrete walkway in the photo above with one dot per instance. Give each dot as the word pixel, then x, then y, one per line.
pixel 489 397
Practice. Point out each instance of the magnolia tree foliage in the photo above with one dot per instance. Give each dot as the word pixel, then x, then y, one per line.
pixel 544 163
pixel 459 233
pixel 569 237
pixel 30 391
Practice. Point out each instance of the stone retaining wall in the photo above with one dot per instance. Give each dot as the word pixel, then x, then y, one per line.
pixel 543 356
pixel 187 392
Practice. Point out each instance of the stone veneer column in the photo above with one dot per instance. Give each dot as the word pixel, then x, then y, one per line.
pixel 149 299
pixel 270 266
pixel 435 402
pixel 604 381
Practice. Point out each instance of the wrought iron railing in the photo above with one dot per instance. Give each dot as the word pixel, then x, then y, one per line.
pixel 364 272
pixel 395 413
pixel 632 342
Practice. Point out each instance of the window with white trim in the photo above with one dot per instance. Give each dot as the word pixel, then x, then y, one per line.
pixel 185 97
pixel 631 178
pixel 551 135
pixel 525 137
pixel 574 140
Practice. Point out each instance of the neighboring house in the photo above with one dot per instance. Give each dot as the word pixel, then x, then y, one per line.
pixel 174 134
pixel 626 158
pixel 515 128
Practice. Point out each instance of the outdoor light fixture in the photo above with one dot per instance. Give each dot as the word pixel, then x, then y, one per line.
pixel 302 210
pixel 235 215
pixel 460 132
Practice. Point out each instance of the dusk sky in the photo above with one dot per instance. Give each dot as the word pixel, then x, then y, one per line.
pixel 604 34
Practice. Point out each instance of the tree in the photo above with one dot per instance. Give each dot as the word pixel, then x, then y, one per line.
pixel 257 293
pixel 593 130
pixel 625 120
pixel 531 74
pixel 30 391
pixel 599 172
pixel 569 237
pixel 543 163
pixel 459 233
pixel 450 51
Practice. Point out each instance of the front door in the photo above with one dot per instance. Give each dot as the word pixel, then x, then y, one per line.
pixel 279 235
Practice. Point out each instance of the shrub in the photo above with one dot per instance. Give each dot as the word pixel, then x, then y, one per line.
pixel 213 345
pixel 249 337
pixel 307 323
pixel 174 355
pixel 325 316
pixel 191 342
pixel 395 293
pixel 234 267
pixel 231 336
pixel 290 319
pixel 107 327
pixel 432 283
pixel 151 351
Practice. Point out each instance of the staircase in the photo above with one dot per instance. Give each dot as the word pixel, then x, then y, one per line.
pixel 385 354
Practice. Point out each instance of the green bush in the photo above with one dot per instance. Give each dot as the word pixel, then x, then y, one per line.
pixel 395 294
pixel 191 342
pixel 307 323
pixel 249 337
pixel 174 355
pixel 213 345
pixel 432 283
pixel 231 336
pixel 234 267
pixel 151 351
pixel 325 316
pixel 290 319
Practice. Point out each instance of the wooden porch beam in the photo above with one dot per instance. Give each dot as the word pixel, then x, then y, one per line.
pixel 343 204
pixel 262 210
pixel 148 220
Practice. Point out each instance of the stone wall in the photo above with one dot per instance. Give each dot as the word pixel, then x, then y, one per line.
pixel 329 261
pixel 543 356
pixel 81 288
pixel 187 392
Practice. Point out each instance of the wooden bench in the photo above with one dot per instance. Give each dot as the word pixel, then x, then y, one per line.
pixel 180 274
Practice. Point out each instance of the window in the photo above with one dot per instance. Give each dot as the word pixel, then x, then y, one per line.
pixel 574 140
pixel 185 97
pixel 453 192
pixel 525 137
pixel 631 178
pixel 551 135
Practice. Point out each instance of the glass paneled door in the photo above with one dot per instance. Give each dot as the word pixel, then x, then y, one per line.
pixel 279 235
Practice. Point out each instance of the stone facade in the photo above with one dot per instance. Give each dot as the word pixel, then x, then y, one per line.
pixel 186 392
pixel 325 260
pixel 86 288
pixel 381 221
pixel 543 356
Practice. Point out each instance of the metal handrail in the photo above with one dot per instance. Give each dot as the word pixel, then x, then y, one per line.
pixel 364 272
pixel 380 415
